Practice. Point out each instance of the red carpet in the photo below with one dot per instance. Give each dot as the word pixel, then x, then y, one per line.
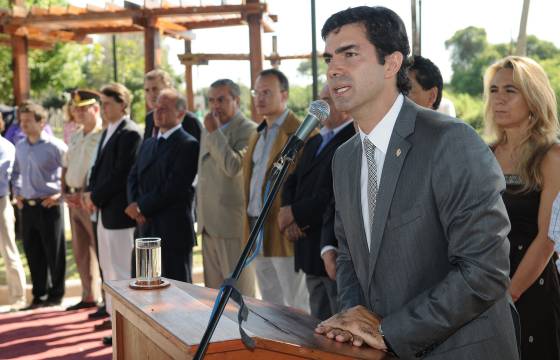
pixel 51 333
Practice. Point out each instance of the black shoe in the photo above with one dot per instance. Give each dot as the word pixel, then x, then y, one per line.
pixel 105 325
pixel 82 305
pixel 99 314
pixel 107 340
pixel 53 301
pixel 35 304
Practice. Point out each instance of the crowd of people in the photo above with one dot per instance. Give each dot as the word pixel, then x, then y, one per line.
pixel 397 225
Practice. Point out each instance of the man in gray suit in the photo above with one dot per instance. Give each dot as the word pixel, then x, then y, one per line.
pixel 422 269
pixel 220 202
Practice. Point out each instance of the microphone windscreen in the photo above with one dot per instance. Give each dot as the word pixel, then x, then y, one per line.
pixel 320 109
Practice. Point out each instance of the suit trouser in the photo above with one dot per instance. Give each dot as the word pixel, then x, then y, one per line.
pixel 114 254
pixel 322 296
pixel 83 246
pixel 45 249
pixel 15 275
pixel 279 283
pixel 219 257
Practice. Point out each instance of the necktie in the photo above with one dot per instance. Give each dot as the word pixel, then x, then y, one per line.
pixel 369 149
pixel 160 143
pixel 326 139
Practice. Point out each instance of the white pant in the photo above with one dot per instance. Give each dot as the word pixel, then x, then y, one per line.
pixel 280 284
pixel 115 250
pixel 15 275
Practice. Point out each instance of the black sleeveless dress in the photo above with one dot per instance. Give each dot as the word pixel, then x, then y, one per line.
pixel 539 306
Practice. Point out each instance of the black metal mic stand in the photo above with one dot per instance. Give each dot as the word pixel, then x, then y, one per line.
pixel 279 174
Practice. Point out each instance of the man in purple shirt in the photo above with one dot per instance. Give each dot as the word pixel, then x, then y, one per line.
pixel 36 186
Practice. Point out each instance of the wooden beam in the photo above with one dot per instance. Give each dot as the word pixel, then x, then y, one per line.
pixel 108 16
pixel 34 44
pixel 203 59
pixel 255 50
pixel 20 69
pixel 109 30
pixel 152 54
pixel 207 24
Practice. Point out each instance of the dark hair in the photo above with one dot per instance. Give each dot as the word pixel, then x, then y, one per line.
pixel 384 29
pixel 427 75
pixel 282 79
pixel 37 110
pixel 234 89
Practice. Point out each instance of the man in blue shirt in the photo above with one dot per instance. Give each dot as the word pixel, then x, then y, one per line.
pixel 36 186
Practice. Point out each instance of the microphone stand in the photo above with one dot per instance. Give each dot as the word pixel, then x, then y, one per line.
pixel 280 170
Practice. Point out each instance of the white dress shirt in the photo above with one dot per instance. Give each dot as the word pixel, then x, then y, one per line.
pixel 111 128
pixel 260 159
pixel 379 136
pixel 169 132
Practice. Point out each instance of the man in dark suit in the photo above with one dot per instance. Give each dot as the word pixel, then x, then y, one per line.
pixel 159 191
pixel 106 194
pixel 307 193
pixel 423 257
pixel 154 82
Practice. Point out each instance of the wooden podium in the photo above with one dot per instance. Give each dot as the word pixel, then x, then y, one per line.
pixel 169 323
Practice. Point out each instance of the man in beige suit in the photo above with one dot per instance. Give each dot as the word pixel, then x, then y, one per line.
pixel 220 204
pixel 278 281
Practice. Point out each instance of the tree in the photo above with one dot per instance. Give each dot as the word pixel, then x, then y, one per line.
pixel 470 56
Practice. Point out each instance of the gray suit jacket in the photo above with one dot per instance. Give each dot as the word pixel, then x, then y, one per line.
pixel 437 271
pixel 220 202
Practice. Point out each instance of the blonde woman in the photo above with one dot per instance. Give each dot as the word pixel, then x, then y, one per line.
pixel 521 117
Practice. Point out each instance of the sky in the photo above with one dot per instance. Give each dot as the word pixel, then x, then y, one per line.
pixel 440 20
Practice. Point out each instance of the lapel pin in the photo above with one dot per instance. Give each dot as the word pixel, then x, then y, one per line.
pixel 398 152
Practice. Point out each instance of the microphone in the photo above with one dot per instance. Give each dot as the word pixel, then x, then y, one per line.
pixel 317 113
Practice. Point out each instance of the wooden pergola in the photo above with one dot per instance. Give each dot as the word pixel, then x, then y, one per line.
pixel 23 28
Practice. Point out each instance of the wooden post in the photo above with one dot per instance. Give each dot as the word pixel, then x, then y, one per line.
pixel 188 78
pixel 21 69
pixel 21 85
pixel 152 58
pixel 255 50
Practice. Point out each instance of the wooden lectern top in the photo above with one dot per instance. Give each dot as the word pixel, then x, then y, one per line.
pixel 175 318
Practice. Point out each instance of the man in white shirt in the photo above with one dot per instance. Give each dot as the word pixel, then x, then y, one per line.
pixel 423 259
pixel 76 164
pixel 106 193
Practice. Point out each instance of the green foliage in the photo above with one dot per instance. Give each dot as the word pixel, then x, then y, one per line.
pixel 304 67
pixel 541 49
pixel 552 68
pixel 466 45
pixel 469 108
pixel 6 75
pixel 300 97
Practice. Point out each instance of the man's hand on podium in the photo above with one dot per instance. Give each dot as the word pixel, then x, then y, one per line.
pixel 357 325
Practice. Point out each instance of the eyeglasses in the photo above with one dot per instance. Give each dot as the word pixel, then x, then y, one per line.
pixel 265 93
